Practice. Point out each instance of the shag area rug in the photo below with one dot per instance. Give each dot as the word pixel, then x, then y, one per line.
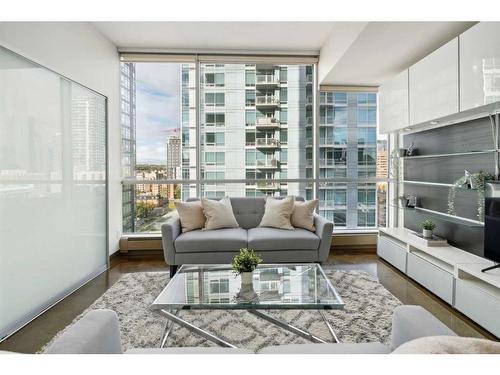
pixel 366 316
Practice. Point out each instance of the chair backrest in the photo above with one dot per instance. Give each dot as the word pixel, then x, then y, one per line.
pixel 248 211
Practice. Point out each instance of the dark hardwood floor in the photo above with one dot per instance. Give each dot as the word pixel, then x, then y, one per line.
pixel 33 336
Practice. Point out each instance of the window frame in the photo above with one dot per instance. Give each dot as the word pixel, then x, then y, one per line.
pixel 337 99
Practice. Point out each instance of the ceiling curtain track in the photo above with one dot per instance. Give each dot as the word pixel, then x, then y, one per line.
pixel 218 58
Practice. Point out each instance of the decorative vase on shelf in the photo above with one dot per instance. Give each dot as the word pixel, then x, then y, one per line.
pixel 427 233
pixel 246 278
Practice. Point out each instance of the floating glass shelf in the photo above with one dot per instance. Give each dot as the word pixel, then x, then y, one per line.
pixel 435 184
pixel 449 154
pixel 444 216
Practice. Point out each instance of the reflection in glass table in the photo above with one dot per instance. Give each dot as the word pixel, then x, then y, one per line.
pixel 274 286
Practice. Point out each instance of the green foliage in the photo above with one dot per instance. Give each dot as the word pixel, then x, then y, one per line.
pixel 428 225
pixel 246 261
pixel 144 209
pixel 476 181
pixel 177 192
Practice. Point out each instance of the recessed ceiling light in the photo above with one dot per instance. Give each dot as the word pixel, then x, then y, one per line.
pixel 407 129
pixel 434 122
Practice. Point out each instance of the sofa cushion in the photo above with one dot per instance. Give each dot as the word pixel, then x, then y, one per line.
pixel 263 239
pixel 278 212
pixel 303 215
pixel 219 214
pixel 196 241
pixel 248 211
pixel 191 215
pixel 361 348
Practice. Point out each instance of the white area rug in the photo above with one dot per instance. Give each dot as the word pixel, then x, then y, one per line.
pixel 366 316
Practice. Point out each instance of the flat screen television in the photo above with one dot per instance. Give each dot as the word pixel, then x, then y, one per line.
pixel 492 224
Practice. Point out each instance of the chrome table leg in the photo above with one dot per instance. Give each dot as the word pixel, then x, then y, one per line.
pixel 168 328
pixel 191 327
pixel 330 328
pixel 286 326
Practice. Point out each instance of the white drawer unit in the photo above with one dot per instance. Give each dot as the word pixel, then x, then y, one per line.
pixel 450 273
pixel 477 295
pixel 430 275
pixel 392 251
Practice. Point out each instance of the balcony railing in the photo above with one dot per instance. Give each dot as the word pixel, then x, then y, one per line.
pixel 267 164
pixel 266 79
pixel 263 185
pixel 267 122
pixel 267 143
pixel 309 78
pixel 309 99
pixel 267 100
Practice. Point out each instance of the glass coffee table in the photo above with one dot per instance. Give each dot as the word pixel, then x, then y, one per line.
pixel 274 287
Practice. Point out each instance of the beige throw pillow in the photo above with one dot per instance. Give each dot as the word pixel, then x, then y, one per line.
pixel 219 214
pixel 303 215
pixel 191 215
pixel 278 212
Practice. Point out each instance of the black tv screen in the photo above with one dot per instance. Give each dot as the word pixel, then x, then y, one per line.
pixel 492 227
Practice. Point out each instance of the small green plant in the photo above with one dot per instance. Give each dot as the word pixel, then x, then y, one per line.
pixel 428 225
pixel 246 261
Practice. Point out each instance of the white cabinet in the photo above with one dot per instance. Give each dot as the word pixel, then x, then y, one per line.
pixel 430 275
pixel 393 104
pixel 480 65
pixel 474 301
pixel 392 251
pixel 433 84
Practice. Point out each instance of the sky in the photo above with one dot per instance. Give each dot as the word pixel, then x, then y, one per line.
pixel 158 109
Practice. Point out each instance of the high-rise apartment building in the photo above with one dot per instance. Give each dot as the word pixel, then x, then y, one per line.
pixel 174 150
pixel 128 126
pixel 347 150
pixel 87 113
pixel 267 111
pixel 253 126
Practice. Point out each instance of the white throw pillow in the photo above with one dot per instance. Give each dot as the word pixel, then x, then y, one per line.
pixel 278 212
pixel 448 345
pixel 191 215
pixel 303 215
pixel 219 214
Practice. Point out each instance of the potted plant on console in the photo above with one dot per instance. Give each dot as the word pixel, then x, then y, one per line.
pixel 245 263
pixel 427 227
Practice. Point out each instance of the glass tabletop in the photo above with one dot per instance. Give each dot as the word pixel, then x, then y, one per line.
pixel 274 286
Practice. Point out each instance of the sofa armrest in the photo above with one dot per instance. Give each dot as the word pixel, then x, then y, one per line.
pixel 169 232
pixel 324 230
pixel 412 322
pixel 97 332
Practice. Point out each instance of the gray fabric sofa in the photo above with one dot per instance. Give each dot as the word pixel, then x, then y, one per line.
pixel 98 332
pixel 221 245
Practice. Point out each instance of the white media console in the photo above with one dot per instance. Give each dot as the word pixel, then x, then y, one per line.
pixel 452 274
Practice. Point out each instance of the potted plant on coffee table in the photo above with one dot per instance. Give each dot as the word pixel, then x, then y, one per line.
pixel 427 227
pixel 245 263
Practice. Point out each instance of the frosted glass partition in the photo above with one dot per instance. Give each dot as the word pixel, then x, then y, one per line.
pixel 53 204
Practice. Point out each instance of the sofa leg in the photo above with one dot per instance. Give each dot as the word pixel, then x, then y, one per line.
pixel 173 270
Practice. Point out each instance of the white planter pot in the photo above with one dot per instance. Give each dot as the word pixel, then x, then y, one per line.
pixel 246 278
pixel 427 233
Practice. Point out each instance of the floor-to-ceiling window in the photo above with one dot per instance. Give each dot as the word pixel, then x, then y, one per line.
pixel 352 160
pixel 245 128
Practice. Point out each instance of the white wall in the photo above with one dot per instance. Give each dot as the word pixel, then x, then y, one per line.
pixel 78 51
pixel 341 37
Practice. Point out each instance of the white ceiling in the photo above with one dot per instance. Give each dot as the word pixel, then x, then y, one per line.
pixel 352 53
pixel 384 49
pixel 218 36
